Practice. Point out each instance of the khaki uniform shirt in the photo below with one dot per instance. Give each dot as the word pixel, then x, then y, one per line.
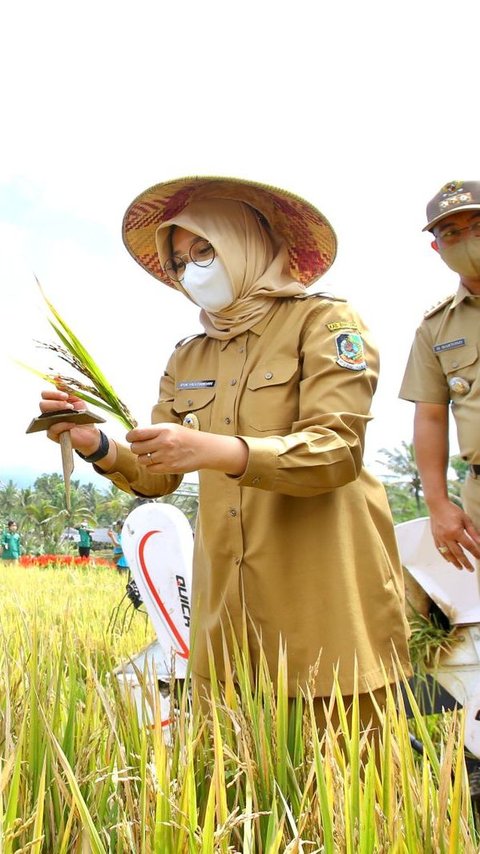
pixel 303 541
pixel 444 352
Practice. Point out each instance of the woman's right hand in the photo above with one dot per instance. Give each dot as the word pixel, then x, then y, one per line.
pixel 86 437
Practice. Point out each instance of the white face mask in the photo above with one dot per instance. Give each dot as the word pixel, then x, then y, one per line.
pixel 209 287
pixel 463 257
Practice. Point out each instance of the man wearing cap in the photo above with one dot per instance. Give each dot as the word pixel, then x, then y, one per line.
pixel 443 369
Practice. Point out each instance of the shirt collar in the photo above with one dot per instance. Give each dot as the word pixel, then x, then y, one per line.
pixel 262 324
pixel 462 293
pixel 257 329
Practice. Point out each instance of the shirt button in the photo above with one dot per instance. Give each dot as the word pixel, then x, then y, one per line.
pixel 232 511
pixel 227 420
pixel 268 375
pixel 241 349
pixel 190 401
pixel 454 364
pixel 255 481
pixel 233 382
pixel 237 561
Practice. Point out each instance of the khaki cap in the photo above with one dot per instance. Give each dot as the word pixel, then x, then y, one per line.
pixel 454 196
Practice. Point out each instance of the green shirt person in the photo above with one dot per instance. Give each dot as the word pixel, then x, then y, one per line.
pixel 85 543
pixel 11 542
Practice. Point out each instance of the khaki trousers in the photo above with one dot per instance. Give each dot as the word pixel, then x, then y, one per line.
pixel 471 505
pixel 471 498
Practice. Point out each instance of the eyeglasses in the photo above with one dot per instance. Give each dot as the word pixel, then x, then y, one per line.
pixel 201 252
pixel 451 235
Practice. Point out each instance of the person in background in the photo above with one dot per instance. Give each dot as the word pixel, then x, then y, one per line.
pixel 11 547
pixel 294 540
pixel 115 534
pixel 443 373
pixel 85 542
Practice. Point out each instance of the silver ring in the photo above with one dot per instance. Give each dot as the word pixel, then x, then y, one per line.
pixel 443 549
pixel 149 457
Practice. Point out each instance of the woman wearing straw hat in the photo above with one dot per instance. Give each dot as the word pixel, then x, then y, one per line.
pixel 292 530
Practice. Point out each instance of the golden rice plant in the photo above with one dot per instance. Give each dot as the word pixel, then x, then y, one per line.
pixel 246 771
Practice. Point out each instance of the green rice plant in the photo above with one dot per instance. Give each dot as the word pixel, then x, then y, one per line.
pixel 429 638
pixel 89 382
pixel 246 771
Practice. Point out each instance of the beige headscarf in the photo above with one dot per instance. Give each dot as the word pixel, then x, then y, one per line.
pixel 256 261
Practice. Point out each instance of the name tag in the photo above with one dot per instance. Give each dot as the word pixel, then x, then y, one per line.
pixel 449 345
pixel 341 325
pixel 189 384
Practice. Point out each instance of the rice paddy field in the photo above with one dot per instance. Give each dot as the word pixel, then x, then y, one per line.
pixel 79 772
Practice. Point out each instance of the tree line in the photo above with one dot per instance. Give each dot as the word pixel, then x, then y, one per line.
pixel 42 518
pixel 403 485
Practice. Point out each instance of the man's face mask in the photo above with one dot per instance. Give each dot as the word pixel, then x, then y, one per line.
pixel 209 287
pixel 463 257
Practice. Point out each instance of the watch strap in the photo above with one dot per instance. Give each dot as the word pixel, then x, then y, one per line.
pixel 101 451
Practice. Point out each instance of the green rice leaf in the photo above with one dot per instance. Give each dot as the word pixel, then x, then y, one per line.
pixel 325 792
pixel 274 830
pixel 95 842
pixel 367 813
pixel 219 769
pixel 209 822
pixel 38 823
pixel 98 391
pixel 14 800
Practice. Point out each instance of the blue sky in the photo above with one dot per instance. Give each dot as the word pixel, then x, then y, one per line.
pixel 364 109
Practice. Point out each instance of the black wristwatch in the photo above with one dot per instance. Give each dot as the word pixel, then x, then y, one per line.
pixel 101 451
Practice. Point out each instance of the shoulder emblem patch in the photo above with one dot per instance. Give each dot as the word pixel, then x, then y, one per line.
pixel 350 353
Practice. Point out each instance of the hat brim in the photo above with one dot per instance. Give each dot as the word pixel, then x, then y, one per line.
pixel 457 209
pixel 310 239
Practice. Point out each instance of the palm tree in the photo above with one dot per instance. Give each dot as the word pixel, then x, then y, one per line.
pixel 50 489
pixel 186 499
pixel 92 498
pixel 404 472
pixel 115 504
pixel 43 526
pixel 9 495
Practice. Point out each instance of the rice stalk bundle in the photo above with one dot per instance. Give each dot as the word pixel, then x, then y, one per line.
pixel 90 383
pixel 245 771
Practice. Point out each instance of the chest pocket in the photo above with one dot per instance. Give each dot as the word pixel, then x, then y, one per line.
pixel 197 400
pixel 271 396
pixel 462 361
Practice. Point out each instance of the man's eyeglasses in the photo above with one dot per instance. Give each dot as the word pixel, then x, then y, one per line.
pixel 451 234
pixel 201 252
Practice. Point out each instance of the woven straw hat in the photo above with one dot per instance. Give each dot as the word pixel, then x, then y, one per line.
pixel 309 237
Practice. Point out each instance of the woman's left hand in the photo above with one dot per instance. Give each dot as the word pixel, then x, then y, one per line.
pixel 172 449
